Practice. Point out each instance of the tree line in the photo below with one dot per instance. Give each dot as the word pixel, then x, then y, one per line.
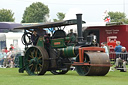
pixel 39 12
pixel 35 13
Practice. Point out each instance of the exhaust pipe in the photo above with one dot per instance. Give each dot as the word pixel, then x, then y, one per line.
pixel 79 27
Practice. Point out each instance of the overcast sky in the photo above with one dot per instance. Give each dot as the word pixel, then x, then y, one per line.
pixel 92 10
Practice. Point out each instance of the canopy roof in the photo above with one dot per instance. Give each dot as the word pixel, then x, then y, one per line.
pixel 50 25
pixel 9 25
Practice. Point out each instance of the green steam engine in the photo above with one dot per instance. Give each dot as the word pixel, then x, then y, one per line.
pixel 54 53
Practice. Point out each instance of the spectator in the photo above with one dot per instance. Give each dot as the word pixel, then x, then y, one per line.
pixel 5 50
pixel 122 60
pixel 2 55
pixel 10 59
pixel 118 47
pixel 105 47
pixel 34 37
pixel 117 51
pixel 11 46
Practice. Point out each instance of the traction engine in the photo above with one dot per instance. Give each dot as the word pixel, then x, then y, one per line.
pixel 54 53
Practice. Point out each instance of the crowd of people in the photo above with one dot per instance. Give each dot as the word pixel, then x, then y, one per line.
pixel 7 57
pixel 121 55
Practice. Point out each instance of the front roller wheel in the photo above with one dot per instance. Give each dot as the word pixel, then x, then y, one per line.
pixel 36 61
pixel 99 64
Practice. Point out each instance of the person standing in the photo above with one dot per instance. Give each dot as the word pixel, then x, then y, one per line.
pixel 34 37
pixel 105 47
pixel 117 51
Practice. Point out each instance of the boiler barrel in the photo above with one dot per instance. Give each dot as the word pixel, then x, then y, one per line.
pixel 71 51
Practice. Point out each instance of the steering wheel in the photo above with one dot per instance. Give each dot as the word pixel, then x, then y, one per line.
pixel 26 38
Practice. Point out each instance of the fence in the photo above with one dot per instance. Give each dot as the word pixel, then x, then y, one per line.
pixel 120 60
pixel 113 56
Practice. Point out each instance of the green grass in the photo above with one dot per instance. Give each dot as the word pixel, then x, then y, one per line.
pixel 10 76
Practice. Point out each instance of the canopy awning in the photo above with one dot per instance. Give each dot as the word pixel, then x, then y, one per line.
pixel 8 26
pixel 50 24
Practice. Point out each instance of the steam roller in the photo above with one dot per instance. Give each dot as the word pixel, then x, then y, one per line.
pixel 54 53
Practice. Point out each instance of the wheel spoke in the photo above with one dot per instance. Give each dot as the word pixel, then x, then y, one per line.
pixel 40 65
pixel 33 52
pixel 31 55
pixel 36 53
pixel 31 67
pixel 36 69
pixel 39 57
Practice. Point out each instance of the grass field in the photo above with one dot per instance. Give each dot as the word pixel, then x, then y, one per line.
pixel 10 76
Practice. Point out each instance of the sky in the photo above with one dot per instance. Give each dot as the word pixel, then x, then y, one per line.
pixel 92 10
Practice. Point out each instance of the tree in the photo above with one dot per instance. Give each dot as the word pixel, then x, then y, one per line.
pixel 118 17
pixel 60 16
pixel 6 15
pixel 36 12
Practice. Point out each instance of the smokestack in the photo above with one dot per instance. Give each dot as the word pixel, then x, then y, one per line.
pixel 79 27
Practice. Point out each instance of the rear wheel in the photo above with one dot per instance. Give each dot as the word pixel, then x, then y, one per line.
pixel 36 61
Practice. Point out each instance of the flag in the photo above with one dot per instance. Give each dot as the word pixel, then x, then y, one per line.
pixel 107 19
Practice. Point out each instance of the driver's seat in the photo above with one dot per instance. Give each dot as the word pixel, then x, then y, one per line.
pixel 59 34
